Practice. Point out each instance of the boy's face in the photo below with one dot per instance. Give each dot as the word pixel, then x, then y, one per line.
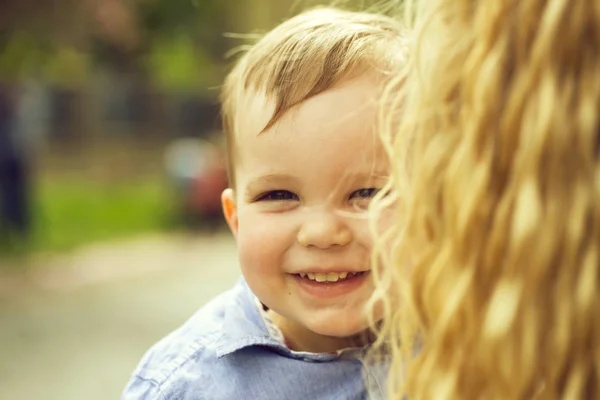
pixel 299 207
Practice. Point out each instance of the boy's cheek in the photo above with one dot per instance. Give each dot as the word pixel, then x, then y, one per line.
pixel 258 241
pixel 260 263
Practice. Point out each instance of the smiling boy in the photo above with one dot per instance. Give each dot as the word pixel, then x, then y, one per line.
pixel 297 212
pixel 300 113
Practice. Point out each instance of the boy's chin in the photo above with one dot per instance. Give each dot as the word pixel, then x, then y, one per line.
pixel 339 329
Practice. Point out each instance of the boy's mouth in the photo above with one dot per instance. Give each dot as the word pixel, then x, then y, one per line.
pixel 330 285
pixel 322 277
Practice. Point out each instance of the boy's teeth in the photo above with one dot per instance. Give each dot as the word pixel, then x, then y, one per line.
pixel 327 277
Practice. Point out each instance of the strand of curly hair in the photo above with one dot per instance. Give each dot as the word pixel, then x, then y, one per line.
pixel 495 252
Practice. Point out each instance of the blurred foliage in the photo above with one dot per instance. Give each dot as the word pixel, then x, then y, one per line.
pixel 174 17
pixel 184 41
pixel 42 16
pixel 174 43
pixel 21 54
pixel 174 63
pixel 67 67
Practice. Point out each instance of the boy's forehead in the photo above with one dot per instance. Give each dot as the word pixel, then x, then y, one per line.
pixel 338 125
pixel 357 95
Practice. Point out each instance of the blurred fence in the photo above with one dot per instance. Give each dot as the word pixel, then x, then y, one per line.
pixel 113 109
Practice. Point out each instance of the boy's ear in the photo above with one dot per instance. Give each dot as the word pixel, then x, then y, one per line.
pixel 230 210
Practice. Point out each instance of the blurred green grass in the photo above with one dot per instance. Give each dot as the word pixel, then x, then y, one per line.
pixel 67 213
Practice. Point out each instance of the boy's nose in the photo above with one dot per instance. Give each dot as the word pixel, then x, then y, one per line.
pixel 324 230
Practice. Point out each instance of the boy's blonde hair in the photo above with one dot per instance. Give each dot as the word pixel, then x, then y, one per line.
pixel 305 56
pixel 501 115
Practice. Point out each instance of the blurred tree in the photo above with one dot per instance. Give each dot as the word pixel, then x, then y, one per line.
pixel 183 40
pixel 175 63
pixel 174 43
pixel 71 20
pixel 34 32
pixel 18 14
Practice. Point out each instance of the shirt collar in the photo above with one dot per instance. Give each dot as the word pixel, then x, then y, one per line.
pixel 242 324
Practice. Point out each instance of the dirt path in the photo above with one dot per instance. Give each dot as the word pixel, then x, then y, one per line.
pixel 75 328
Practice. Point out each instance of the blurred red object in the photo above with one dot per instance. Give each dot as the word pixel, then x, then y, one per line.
pixel 206 191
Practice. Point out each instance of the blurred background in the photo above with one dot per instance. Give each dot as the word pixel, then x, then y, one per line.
pixel 111 168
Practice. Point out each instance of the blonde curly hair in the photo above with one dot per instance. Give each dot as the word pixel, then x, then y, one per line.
pixel 493 260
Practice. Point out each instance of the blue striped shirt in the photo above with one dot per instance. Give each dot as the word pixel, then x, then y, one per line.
pixel 227 352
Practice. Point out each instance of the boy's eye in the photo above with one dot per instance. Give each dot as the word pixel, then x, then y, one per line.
pixel 364 193
pixel 361 198
pixel 277 195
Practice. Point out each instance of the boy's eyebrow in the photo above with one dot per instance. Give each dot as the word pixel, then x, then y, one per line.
pixel 270 179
